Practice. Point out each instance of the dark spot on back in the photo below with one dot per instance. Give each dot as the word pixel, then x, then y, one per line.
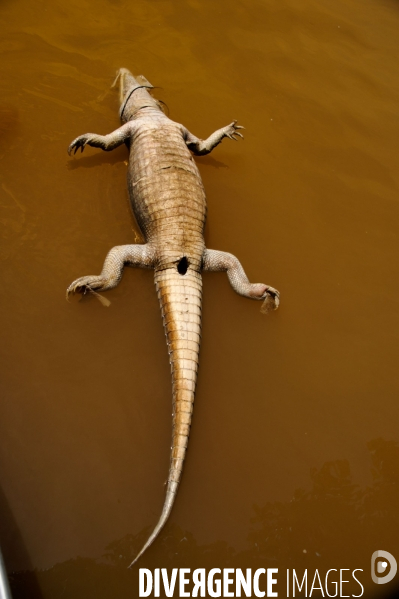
pixel 182 266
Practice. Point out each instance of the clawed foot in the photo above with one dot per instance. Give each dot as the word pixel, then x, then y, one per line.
pixel 231 130
pixel 88 284
pixel 77 143
pixel 271 300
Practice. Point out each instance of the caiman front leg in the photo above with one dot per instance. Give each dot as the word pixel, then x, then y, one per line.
pixel 203 146
pixel 105 142
pixel 214 260
pixel 142 256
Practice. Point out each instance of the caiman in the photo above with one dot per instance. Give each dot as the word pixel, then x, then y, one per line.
pixel 168 200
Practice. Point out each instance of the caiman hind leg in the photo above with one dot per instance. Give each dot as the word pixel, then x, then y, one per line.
pixel 214 260
pixel 142 256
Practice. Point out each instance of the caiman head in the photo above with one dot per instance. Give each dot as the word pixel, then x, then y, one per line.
pixel 134 95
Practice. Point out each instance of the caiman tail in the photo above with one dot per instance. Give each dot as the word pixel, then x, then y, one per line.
pixel 180 298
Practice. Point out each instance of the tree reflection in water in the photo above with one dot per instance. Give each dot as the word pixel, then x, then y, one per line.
pixel 335 524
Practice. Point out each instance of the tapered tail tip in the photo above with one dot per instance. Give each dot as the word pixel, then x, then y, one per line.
pixel 133 562
pixel 170 497
pixel 148 543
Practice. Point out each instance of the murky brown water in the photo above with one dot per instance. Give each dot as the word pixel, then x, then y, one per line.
pixel 303 399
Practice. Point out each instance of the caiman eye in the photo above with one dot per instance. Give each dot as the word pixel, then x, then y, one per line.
pixel 182 266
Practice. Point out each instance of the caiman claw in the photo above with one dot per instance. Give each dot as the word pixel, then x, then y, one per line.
pixel 231 130
pixel 82 285
pixel 77 143
pixel 85 285
pixel 271 300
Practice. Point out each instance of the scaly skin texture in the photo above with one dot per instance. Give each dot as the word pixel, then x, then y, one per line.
pixel 168 200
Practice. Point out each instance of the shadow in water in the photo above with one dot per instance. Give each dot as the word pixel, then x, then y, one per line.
pixel 120 155
pixel 116 156
pixel 335 524
pixel 13 546
pixel 210 161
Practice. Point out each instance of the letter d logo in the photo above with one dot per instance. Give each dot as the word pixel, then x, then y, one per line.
pixel 382 566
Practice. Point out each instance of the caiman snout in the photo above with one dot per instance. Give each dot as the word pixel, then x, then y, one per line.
pixel 133 94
